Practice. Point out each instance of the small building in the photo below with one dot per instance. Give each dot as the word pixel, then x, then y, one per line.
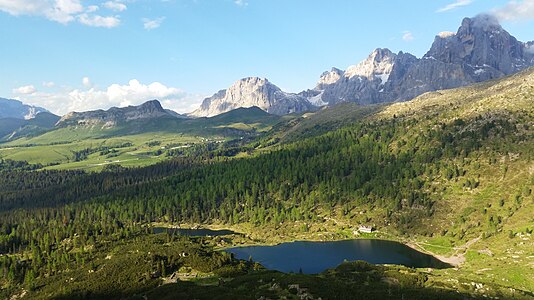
pixel 365 229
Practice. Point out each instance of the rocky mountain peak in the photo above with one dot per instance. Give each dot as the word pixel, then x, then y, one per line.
pixel 329 77
pixel 445 34
pixel 378 64
pixel 255 89
pixel 150 107
pixel 483 45
pixel 484 22
pixel 249 92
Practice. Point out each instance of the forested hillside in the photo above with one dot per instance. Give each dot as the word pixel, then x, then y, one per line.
pixel 417 170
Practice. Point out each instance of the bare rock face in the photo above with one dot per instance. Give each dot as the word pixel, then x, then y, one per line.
pixel 328 78
pixel 363 82
pixel 115 115
pixel 529 51
pixel 483 46
pixel 480 50
pixel 378 65
pixel 253 91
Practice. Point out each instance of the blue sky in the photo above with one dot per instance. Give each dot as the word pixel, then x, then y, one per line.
pixel 85 54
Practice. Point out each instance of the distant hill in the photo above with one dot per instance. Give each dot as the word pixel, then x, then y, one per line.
pixel 121 122
pixel 116 116
pixel 15 109
pixel 14 128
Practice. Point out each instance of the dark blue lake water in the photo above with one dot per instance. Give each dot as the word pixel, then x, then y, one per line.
pixel 315 257
pixel 193 232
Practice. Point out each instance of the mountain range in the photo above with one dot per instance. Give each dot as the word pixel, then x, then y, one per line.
pixel 480 50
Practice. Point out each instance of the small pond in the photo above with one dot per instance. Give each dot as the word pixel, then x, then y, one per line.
pixel 315 257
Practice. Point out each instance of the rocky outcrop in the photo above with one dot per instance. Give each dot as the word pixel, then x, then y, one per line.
pixel 10 108
pixel 480 50
pixel 114 116
pixel 529 50
pixel 249 92
pixel 328 78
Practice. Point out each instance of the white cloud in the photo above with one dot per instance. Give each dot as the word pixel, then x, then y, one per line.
pixel 241 2
pixel 454 5
pixel 149 24
pixel 133 93
pixel 407 36
pixel 23 7
pixel 25 90
pixel 61 11
pixel 86 82
pixel 49 84
pixel 530 48
pixel 92 8
pixel 115 5
pixel 516 11
pixel 99 21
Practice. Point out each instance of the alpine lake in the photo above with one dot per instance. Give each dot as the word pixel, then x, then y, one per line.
pixel 310 257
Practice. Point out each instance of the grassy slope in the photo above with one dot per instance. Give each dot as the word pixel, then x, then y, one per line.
pixel 11 128
pixel 507 255
pixel 57 147
pixel 62 154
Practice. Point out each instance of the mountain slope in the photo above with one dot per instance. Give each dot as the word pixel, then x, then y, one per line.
pixel 10 108
pixel 253 91
pixel 480 50
pixel 116 116
pixel 14 128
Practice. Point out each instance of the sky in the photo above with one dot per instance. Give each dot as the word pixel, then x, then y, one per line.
pixel 77 55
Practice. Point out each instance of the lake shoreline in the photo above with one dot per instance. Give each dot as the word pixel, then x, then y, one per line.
pixel 454 261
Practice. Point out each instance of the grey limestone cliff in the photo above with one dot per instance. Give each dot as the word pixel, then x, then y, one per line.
pixel 253 91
